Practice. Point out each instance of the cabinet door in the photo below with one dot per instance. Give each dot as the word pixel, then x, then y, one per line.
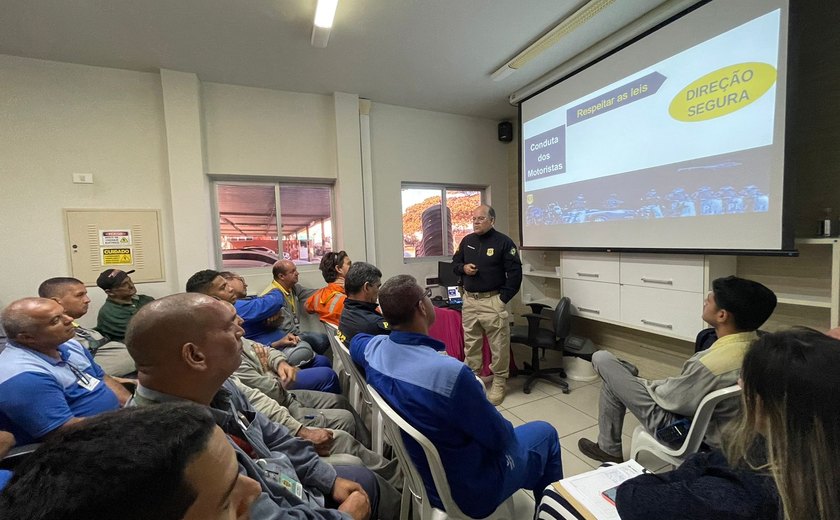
pixel 596 300
pixel 678 272
pixel 671 313
pixel 598 267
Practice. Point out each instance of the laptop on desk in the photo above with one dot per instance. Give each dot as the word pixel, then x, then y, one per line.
pixel 454 297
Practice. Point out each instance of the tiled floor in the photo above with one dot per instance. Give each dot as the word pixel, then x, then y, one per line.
pixel 574 415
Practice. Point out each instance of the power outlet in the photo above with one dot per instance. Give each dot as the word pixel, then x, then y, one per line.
pixel 82 178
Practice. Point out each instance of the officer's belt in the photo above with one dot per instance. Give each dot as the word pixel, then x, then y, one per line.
pixel 479 295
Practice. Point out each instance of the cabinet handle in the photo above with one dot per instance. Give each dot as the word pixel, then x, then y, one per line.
pixel 593 311
pixel 657 280
pixel 657 324
pixel 590 275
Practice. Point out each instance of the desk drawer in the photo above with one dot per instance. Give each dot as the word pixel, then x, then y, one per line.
pixel 673 313
pixel 596 300
pixel 596 267
pixel 678 272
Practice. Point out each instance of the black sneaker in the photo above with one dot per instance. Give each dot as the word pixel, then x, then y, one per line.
pixel 593 451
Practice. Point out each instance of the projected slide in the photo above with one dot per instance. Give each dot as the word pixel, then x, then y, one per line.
pixel 689 136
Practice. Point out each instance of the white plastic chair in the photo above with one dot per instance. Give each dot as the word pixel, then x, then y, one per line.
pixel 360 396
pixel 344 377
pixel 644 441
pixel 413 487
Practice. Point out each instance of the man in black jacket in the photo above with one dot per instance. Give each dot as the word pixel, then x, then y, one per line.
pixel 492 273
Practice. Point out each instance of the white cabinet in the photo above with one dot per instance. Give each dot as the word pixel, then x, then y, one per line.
pixel 596 300
pixel 594 267
pixel 662 294
pixel 672 313
pixel 678 272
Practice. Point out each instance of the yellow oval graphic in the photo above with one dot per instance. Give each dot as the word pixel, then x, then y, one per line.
pixel 722 92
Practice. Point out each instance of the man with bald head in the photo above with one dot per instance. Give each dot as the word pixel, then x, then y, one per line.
pixel 317 373
pixel 286 278
pixel 48 380
pixel 185 347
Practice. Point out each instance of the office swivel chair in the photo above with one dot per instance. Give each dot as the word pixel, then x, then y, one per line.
pixel 538 338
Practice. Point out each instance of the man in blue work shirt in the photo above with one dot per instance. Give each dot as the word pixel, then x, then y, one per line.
pixel 485 458
pixel 48 380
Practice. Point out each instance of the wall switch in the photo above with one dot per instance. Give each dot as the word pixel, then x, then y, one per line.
pixel 82 178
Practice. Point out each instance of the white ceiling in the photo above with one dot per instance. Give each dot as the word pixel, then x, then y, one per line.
pixel 428 54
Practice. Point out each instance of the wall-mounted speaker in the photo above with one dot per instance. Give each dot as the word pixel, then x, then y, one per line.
pixel 505 131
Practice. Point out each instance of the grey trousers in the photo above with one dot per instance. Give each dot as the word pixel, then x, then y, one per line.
pixel 620 392
pixel 349 452
pixel 326 410
pixel 114 359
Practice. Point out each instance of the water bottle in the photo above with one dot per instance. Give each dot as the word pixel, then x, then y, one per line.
pixel 825 229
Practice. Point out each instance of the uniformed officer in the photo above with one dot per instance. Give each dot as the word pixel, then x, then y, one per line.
pixel 492 273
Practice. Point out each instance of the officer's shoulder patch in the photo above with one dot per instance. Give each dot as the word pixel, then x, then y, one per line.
pixel 385 325
pixel 512 251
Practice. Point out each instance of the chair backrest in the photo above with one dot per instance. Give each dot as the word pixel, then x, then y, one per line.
pixel 394 425
pixel 331 332
pixel 347 361
pixel 700 422
pixel 563 318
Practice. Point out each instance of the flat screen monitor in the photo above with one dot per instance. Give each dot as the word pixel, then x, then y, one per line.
pixel 446 274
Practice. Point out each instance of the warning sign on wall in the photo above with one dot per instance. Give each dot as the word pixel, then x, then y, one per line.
pixel 115 237
pixel 117 256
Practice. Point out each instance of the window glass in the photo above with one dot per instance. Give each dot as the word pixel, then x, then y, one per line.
pixel 421 222
pixel 461 204
pixel 248 223
pixel 305 213
pixel 435 218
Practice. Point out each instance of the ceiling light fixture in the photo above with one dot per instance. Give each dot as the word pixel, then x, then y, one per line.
pixel 569 24
pixel 324 15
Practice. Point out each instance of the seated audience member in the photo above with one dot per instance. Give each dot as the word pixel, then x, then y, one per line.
pixel 735 308
pixel 486 459
pixel 286 277
pixel 328 301
pixel 72 294
pixel 7 442
pixel 783 445
pixel 360 312
pixel 236 283
pixel 48 380
pixel 186 346
pixel 267 370
pixel 122 303
pixel 257 310
pixel 167 463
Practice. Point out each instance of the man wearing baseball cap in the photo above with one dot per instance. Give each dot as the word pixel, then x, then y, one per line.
pixel 123 302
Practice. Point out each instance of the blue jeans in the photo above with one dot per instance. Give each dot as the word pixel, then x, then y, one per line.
pixel 319 341
pixel 539 463
pixel 365 478
pixel 318 376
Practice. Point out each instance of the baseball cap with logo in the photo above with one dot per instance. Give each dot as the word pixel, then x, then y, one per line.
pixel 110 278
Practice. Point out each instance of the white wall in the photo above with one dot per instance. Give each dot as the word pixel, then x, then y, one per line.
pixel 254 131
pixel 409 145
pixel 150 140
pixel 58 119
